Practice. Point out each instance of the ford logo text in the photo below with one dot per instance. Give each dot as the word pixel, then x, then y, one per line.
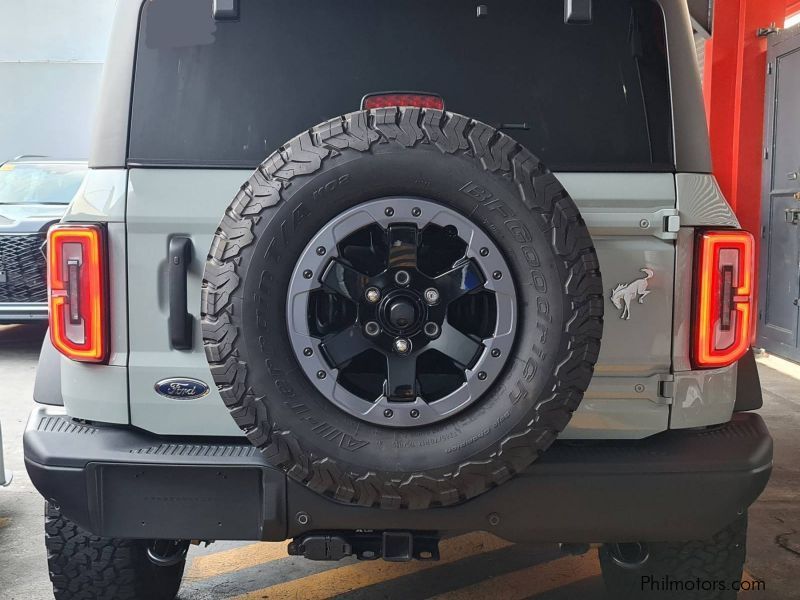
pixel 178 388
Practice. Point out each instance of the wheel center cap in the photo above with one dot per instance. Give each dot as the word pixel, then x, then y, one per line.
pixel 402 313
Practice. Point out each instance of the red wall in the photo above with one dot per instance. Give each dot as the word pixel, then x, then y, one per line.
pixel 735 85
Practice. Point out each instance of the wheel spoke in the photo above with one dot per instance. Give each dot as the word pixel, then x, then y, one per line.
pixel 459 347
pixel 401 379
pixel 402 246
pixel 344 280
pixel 460 280
pixel 342 347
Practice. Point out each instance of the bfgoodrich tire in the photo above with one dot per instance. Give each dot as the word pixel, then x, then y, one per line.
pixel 398 160
pixel 695 570
pixel 83 565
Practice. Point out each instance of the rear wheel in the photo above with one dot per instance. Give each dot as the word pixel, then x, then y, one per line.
pixel 83 565
pixel 696 570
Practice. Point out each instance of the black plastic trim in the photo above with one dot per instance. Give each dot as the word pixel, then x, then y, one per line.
pixel 748 385
pixel 226 10
pixel 180 322
pixel 578 12
pixel 123 482
pixel 47 385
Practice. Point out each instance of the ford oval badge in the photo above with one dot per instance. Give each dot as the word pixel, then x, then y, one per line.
pixel 178 388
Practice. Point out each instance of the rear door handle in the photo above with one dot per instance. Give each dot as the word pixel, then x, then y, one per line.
pixel 181 322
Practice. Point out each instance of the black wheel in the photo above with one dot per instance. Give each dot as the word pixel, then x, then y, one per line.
pixel 402 308
pixel 85 566
pixel 696 570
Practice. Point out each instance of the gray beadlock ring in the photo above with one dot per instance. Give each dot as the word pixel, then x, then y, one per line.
pixel 375 212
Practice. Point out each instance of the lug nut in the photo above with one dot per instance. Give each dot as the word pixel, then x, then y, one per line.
pixel 497 275
pixel 414 413
pixel 431 329
pixel 431 295
pixel 373 295
pixel 402 345
pixel 321 374
pixel 321 250
pixel 389 212
pixel 496 352
pixel 484 251
pixel 308 274
pixel 482 375
pixel 372 328
pixel 308 351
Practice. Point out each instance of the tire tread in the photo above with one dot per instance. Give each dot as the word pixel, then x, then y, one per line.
pixel 542 194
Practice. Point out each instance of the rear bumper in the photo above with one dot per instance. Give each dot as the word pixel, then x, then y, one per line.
pixel 123 482
pixel 22 312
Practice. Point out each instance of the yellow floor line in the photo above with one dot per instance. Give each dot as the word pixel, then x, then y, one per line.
pixel 748 576
pixel 235 559
pixel 530 581
pixel 340 580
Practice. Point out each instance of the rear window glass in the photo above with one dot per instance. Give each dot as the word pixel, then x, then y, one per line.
pixel 22 183
pixel 581 97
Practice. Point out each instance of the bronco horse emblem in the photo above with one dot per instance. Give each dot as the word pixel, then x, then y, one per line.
pixel 625 293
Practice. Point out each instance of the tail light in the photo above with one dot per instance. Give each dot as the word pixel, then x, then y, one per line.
pixel 77 286
pixel 723 321
pixel 402 99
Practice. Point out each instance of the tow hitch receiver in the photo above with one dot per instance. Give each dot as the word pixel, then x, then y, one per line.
pixel 394 546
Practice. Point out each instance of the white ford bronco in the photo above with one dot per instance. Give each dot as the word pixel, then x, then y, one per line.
pixel 361 275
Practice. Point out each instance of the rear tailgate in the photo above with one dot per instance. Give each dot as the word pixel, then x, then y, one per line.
pixel 210 96
pixel 626 214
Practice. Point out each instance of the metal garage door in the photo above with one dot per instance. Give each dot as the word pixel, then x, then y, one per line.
pixel 779 311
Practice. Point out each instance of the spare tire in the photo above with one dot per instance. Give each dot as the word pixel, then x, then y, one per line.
pixel 402 308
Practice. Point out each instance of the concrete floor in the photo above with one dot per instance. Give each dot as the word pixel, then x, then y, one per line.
pixel 474 566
